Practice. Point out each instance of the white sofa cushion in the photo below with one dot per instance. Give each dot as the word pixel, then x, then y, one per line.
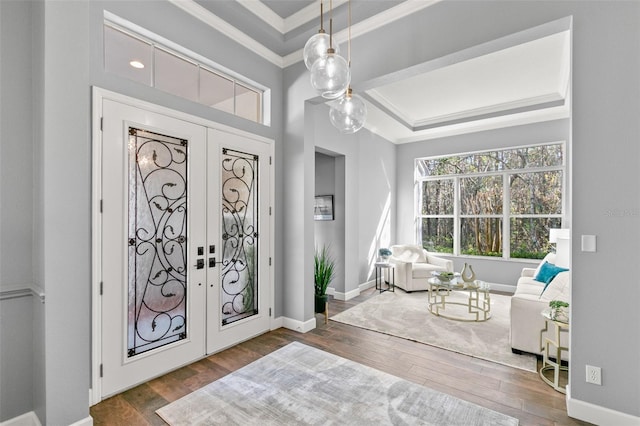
pixel 423 270
pixel 559 288
pixel 409 253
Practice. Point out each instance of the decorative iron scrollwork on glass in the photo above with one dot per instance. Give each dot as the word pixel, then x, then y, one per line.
pixel 239 272
pixel 157 240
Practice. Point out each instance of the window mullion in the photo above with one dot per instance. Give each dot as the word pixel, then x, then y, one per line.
pixel 506 217
pixel 456 216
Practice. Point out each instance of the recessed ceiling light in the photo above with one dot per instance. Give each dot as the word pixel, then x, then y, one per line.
pixel 136 64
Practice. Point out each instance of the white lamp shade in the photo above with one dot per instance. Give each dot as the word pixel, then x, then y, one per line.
pixel 330 76
pixel 316 48
pixel 558 233
pixel 348 113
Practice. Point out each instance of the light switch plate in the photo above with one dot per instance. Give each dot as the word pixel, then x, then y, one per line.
pixel 589 243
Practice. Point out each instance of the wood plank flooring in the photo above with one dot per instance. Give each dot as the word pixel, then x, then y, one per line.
pixel 514 392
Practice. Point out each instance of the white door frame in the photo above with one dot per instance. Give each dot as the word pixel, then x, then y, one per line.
pixel 98 95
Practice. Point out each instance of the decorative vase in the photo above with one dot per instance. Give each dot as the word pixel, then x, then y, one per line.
pixel 321 303
pixel 560 314
pixel 467 274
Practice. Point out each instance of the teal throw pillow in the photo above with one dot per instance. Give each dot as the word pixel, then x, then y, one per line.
pixel 548 272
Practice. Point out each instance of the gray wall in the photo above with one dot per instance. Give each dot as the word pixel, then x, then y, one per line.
pixel 16 357
pixel 65 207
pixel 490 270
pixel 39 329
pixel 16 210
pixel 370 200
pixel 604 128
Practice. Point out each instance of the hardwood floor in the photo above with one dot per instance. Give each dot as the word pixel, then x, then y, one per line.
pixel 514 392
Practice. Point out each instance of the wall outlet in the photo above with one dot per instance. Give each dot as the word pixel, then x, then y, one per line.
pixel 594 375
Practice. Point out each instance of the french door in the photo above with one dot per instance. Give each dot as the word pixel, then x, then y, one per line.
pixel 185 236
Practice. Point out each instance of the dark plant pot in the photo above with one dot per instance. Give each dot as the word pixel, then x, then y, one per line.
pixel 321 303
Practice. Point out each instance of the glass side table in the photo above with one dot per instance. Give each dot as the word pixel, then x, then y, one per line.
pixel 550 346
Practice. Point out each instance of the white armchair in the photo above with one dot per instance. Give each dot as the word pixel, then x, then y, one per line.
pixel 413 266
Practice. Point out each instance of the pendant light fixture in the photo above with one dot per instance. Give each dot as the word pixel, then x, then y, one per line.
pixel 348 113
pixel 316 47
pixel 330 75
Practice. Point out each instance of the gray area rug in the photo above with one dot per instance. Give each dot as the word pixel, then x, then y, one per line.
pixel 407 315
pixel 301 385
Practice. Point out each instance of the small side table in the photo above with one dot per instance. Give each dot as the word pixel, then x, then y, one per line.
pixel 380 281
pixel 550 344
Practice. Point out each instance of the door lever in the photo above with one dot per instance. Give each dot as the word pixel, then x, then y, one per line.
pixel 199 264
pixel 212 262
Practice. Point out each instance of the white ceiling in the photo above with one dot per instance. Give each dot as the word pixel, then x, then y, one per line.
pixel 523 83
pixel 517 84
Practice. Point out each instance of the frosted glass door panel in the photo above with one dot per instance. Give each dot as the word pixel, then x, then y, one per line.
pixel 239 273
pixel 157 240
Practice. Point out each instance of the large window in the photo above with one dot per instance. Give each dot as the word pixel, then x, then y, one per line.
pixel 495 203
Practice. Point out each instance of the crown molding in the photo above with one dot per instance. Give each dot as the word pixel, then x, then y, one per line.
pixel 217 23
pixel 283 25
pixel 265 13
pixel 307 14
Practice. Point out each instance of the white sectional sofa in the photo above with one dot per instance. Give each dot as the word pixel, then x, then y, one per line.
pixel 528 302
pixel 413 266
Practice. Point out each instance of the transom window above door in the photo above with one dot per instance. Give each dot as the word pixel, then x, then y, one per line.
pixel 143 57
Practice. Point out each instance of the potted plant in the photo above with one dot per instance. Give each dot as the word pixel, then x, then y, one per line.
pixel 559 311
pixel 384 254
pixel 323 272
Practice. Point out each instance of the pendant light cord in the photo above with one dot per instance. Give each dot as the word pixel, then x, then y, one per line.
pixel 349 38
pixel 330 25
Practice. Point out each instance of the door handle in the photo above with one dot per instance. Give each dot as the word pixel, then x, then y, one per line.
pixel 212 262
pixel 199 264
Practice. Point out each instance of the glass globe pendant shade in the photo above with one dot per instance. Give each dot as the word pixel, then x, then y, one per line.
pixel 316 48
pixel 348 113
pixel 330 76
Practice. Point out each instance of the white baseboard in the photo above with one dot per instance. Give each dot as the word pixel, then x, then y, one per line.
pixel 27 419
pixel 87 421
pixel 367 285
pixel 303 327
pixel 299 326
pixel 350 294
pixel 596 414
